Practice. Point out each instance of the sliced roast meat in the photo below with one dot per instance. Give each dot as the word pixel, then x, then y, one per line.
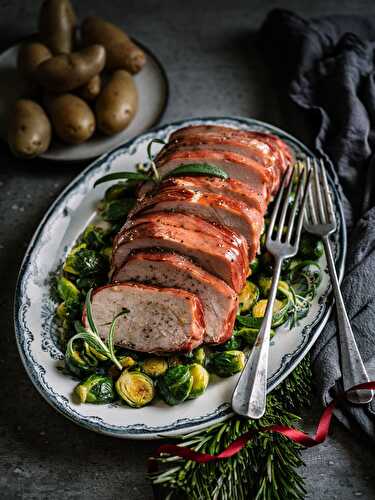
pixel 166 269
pixel 191 223
pixel 253 148
pixel 232 188
pixel 235 165
pixel 159 319
pixel 214 255
pixel 212 207
pixel 277 145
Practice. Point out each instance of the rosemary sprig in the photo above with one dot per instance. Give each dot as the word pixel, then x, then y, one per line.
pixel 92 337
pixel 265 469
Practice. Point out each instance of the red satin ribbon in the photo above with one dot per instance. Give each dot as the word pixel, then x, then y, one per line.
pixel 293 434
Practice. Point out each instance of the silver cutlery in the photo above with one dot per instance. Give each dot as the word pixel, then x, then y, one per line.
pixel 321 221
pixel 282 241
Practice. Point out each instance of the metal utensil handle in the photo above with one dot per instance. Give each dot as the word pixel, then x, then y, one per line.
pixel 352 367
pixel 250 394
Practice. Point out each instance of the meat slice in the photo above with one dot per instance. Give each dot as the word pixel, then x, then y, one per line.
pixel 191 223
pixel 159 319
pixel 235 165
pixel 280 148
pixel 212 207
pixel 216 256
pixel 166 269
pixel 232 188
pixel 252 148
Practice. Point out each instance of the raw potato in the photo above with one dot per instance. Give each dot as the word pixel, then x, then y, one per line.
pixel 122 53
pixel 117 103
pixel 69 71
pixel 29 132
pixel 72 119
pixel 30 55
pixel 57 23
pixel 91 89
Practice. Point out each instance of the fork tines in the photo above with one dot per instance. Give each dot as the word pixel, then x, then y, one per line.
pixel 282 228
pixel 320 206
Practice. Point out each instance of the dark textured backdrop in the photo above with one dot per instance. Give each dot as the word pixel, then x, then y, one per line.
pixel 208 52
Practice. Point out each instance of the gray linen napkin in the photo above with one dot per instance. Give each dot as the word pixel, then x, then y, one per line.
pixel 326 67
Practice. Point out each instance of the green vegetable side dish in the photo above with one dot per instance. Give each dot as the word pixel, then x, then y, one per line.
pixel 108 373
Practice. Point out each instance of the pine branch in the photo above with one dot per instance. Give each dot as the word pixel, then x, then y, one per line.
pixel 266 469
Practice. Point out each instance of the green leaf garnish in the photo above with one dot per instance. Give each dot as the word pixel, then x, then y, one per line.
pixel 149 147
pixel 198 169
pixel 128 176
pixel 111 334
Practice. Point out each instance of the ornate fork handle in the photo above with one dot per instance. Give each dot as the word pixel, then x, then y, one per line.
pixel 352 367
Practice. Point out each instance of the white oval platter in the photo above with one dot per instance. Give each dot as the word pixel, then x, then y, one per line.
pixel 34 307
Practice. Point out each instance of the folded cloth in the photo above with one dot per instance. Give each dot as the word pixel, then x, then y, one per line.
pixel 327 67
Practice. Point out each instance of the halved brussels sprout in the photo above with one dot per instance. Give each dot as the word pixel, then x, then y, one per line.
pixel 67 291
pixel 155 367
pixel 61 311
pixel 94 237
pixel 127 361
pixel 175 360
pixel 234 343
pixel 135 388
pixel 259 308
pixel 97 389
pixel 199 356
pixel 225 364
pixel 175 385
pixel 249 335
pixel 120 190
pixel 254 266
pixel 84 262
pixel 248 296
pixel 107 252
pixel 311 247
pixel 87 282
pixel 78 362
pixel 201 378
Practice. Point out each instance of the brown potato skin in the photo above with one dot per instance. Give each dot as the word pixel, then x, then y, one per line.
pixel 117 103
pixel 122 53
pixel 57 24
pixel 67 72
pixel 29 130
pixel 91 89
pixel 72 119
pixel 30 55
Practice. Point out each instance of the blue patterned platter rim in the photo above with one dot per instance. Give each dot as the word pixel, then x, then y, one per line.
pixel 34 307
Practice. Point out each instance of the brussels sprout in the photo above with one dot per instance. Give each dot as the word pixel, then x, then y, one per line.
pixel 234 343
pixel 78 362
pixel 200 380
pixel 155 367
pixel 175 385
pixel 175 360
pixel 127 362
pixel 86 283
pixel 120 190
pixel 248 296
pixel 96 389
pixel 266 263
pixel 259 308
pixel 308 269
pixel 94 237
pixel 225 364
pixel 199 356
pixel 249 335
pixel 107 253
pixel 311 247
pixel 135 388
pixel 254 266
pixel 118 210
pixel 84 262
pixel 67 291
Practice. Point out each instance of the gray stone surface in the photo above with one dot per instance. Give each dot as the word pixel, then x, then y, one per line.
pixel 208 52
